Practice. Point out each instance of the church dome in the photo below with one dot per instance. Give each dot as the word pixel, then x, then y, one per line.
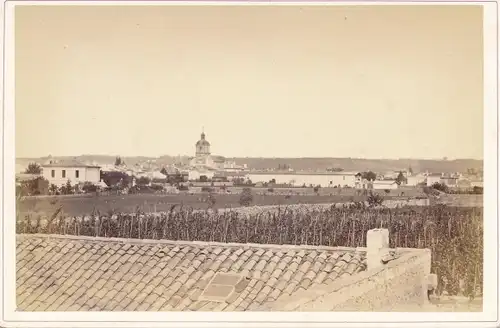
pixel 202 146
pixel 203 141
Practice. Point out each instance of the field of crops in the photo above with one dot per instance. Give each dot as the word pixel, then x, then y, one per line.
pixel 85 204
pixel 455 235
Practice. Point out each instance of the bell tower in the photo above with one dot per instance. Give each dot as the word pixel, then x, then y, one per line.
pixel 202 146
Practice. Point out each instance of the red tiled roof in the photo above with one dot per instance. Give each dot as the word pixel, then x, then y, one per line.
pixel 58 273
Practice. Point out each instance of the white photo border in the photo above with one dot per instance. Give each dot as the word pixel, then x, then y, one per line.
pixel 487 318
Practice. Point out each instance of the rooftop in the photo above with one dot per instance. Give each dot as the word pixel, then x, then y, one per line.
pixel 229 174
pixel 74 273
pixel 385 181
pixel 69 163
pixel 302 173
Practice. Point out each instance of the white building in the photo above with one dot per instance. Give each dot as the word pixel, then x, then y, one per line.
pixel 194 175
pixel 152 175
pixel 450 181
pixel 58 173
pixel 385 184
pixel 298 179
pixel 433 178
pixel 414 180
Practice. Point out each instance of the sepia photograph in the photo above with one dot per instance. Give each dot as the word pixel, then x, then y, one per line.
pixel 294 157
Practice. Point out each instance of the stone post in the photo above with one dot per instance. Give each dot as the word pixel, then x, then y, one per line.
pixel 377 245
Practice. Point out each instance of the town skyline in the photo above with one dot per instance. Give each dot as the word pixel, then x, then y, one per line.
pixel 335 82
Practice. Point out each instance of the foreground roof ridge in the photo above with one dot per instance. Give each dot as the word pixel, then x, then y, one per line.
pixel 188 242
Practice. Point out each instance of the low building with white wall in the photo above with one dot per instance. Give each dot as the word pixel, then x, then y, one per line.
pixel 433 178
pixel 385 184
pixel 194 175
pixel 414 180
pixel 60 172
pixel 298 179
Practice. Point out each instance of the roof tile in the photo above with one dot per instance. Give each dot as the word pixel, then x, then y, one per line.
pixel 158 303
pixel 111 276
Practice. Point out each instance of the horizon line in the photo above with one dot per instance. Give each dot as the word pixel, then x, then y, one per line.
pixel 265 157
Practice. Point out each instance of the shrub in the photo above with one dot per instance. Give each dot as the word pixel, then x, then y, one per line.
pixel 375 199
pixel 440 186
pixel 37 186
pixel 182 187
pixel 157 187
pixel 53 189
pixel 142 181
pixel 246 197
pixel 430 191
pixel 89 187
pixel 115 178
pixel 270 189
pixel 212 200
pixel 207 189
pixel 67 189
pixel 477 190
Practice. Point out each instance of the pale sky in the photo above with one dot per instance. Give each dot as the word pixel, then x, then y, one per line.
pixel 270 81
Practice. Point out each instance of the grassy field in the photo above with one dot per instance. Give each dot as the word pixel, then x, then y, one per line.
pixel 85 204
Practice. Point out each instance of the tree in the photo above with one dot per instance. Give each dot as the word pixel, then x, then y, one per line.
pixel 410 170
pixel 400 179
pixel 67 189
pixel 142 181
pixel 33 168
pixel 477 190
pixel 114 178
pixel 246 197
pixel 119 161
pixel 38 186
pixel 375 199
pixel 89 187
pixel 211 199
pixel 370 176
pixel 440 186
pixel 238 181
pixel 164 171
pixel 53 189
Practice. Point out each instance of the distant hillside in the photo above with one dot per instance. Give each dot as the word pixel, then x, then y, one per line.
pixel 347 164
pixel 354 164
